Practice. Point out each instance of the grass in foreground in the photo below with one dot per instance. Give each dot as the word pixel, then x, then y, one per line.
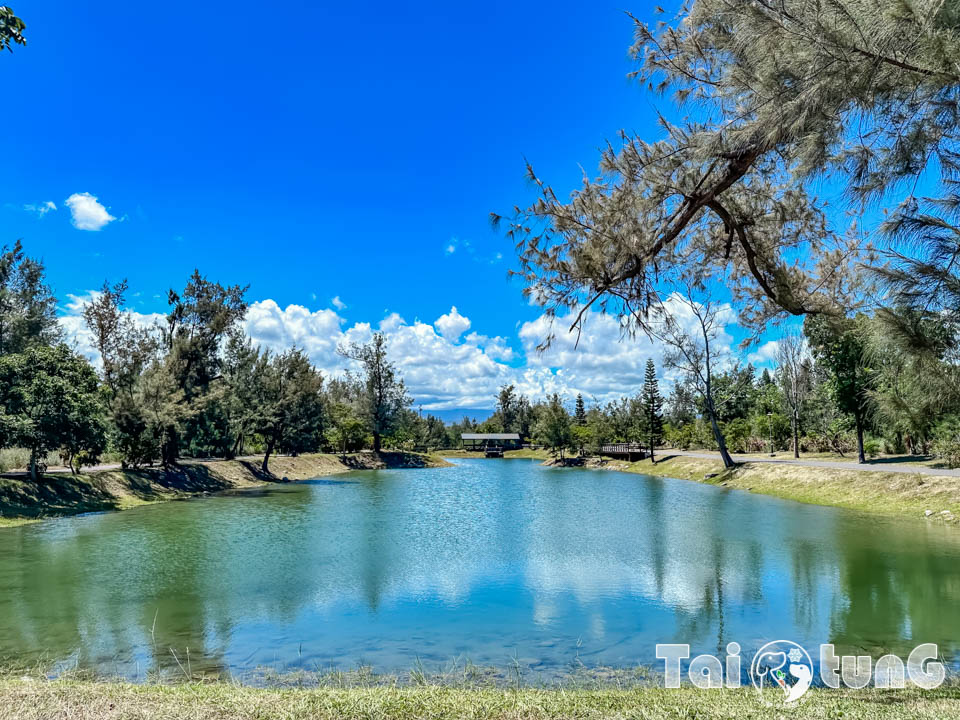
pixel 27 699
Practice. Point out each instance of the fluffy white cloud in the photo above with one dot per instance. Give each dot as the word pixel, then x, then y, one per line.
pixel 316 332
pixel 337 303
pixel 603 362
pixel 766 354
pixel 446 367
pixel 452 325
pixel 41 209
pixel 440 371
pixel 87 212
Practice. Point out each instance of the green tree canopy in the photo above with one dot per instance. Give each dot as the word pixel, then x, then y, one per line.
pixel 50 400
pixel 27 306
pixel 383 395
pixel 838 343
pixel 553 426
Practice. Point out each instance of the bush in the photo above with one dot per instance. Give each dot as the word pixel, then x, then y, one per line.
pixel 737 434
pixel 19 458
pixel 13 459
pixel 946 441
pixel 871 447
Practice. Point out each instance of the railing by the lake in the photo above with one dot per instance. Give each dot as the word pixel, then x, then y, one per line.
pixel 630 451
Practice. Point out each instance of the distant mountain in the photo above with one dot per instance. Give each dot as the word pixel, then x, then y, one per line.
pixel 457 414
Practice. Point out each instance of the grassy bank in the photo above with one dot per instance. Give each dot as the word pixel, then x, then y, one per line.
pixel 22 500
pixel 79 700
pixel 900 493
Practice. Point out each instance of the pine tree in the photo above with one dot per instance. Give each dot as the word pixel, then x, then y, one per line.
pixel 580 412
pixel 652 408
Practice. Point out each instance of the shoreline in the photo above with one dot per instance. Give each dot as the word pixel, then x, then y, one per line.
pixel 915 495
pixel 61 495
pixel 932 498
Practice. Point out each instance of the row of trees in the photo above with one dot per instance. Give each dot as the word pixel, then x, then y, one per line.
pixel 193 386
pixel 196 386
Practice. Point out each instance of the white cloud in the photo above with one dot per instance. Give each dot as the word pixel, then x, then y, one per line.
pixel 443 365
pixel 603 362
pixel 338 303
pixel 41 209
pixel 316 332
pixel 452 325
pixel 766 354
pixel 451 248
pixel 87 212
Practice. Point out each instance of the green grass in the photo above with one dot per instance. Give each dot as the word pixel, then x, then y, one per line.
pixel 899 493
pixel 86 700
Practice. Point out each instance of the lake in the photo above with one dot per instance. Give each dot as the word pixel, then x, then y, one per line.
pixel 503 563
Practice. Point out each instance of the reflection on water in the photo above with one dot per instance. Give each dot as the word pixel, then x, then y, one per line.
pixel 491 561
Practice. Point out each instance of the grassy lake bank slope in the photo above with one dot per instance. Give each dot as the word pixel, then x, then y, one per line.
pixel 22 500
pixel 83 700
pixel 902 493
pixel 890 493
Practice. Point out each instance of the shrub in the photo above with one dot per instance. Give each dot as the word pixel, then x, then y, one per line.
pixel 13 459
pixel 946 441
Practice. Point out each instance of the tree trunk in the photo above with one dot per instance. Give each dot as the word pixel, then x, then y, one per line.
pixel 33 465
pixel 168 449
pixel 718 437
pixel 861 458
pixel 265 465
pixel 796 435
pixel 652 460
pixel 376 441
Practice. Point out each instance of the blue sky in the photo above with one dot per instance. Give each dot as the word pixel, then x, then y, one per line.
pixel 314 151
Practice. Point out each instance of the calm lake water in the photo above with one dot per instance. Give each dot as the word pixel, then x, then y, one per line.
pixel 494 561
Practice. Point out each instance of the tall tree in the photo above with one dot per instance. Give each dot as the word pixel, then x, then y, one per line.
pixel 652 408
pixel 507 408
pixel 50 400
pixel 553 426
pixel 27 306
pixel 290 403
pixel 692 351
pixel 838 343
pixel 384 396
pixel 682 406
pixel 244 372
pixel 794 370
pixel 201 319
pixel 126 351
pixel 580 412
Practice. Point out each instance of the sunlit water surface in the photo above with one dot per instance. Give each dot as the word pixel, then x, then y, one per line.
pixel 497 562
